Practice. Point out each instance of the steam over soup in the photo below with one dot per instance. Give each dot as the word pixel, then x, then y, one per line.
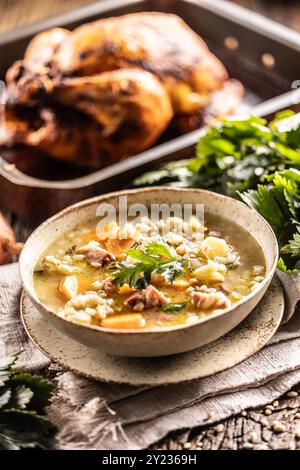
pixel 135 276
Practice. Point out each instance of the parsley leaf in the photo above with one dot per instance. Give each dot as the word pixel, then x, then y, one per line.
pixel 158 249
pixel 293 247
pixel 156 258
pixel 255 161
pixel 173 307
pixel 264 201
pixel 283 267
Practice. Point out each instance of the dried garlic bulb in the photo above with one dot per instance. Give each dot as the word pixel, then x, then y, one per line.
pixel 8 245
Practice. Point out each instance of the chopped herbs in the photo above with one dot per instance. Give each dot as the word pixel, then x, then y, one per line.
pixel 174 307
pixel 71 250
pixel 253 160
pixel 156 259
pixel 23 398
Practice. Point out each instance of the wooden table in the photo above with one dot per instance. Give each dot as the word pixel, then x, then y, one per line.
pixel 242 430
pixel 16 13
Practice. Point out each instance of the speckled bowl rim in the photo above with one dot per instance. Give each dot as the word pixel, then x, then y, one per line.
pixel 93 200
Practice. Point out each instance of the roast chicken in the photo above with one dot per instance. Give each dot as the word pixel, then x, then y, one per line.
pixel 109 89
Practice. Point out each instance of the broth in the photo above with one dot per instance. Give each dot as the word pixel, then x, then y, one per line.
pixel 123 278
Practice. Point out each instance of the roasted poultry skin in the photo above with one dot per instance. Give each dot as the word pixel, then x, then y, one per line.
pixel 124 112
pixel 159 43
pixel 123 80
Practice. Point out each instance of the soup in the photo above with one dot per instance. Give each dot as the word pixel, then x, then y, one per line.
pixel 148 275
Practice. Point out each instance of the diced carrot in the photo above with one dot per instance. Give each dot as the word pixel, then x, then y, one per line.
pixel 84 284
pixel 181 284
pixel 69 287
pixel 125 290
pixel 124 321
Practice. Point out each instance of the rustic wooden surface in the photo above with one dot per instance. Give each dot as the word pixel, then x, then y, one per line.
pixel 14 13
pixel 249 430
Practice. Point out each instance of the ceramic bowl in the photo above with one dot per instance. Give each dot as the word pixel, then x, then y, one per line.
pixel 159 341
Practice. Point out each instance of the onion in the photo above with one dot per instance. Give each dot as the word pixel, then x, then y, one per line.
pixel 8 245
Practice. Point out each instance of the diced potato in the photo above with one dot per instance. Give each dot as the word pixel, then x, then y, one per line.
pixel 126 321
pixel 213 246
pixel 125 290
pixel 69 287
pixel 213 272
pixel 181 284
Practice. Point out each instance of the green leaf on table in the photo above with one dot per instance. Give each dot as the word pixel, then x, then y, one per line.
pixel 287 152
pixel 175 173
pixel 5 367
pixel 283 267
pixel 23 397
pixel 293 247
pixel 286 125
pixel 42 389
pixel 22 429
pixel 5 398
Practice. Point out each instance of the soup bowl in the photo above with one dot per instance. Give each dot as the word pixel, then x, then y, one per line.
pixel 158 341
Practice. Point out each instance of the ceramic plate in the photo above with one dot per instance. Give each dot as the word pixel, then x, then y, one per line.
pixel 243 341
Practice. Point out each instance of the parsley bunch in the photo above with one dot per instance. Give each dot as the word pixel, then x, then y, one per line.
pixel 279 204
pixel 255 161
pixel 235 155
pixel 156 259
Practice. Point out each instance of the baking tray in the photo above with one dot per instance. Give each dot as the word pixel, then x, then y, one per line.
pixel 261 53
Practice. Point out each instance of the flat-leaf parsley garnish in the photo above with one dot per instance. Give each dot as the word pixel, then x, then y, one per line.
pixel 156 258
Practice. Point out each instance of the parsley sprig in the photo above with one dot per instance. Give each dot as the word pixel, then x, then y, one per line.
pixel 254 160
pixel 155 259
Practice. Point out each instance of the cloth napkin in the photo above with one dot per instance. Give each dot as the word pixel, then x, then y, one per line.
pixel 95 415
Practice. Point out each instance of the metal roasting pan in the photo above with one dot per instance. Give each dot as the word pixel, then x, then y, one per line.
pixel 265 58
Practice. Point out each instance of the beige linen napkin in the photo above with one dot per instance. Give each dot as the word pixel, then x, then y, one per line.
pixel 93 415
